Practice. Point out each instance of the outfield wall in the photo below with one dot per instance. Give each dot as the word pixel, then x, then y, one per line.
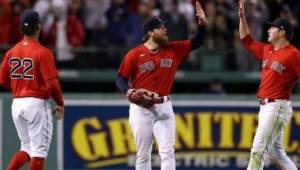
pixel 212 132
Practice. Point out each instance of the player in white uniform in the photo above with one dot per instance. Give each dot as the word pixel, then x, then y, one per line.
pixel 152 66
pixel 280 72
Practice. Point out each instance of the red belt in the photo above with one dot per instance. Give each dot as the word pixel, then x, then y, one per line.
pixel 266 101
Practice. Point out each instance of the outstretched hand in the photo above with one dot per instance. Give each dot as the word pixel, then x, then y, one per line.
pixel 242 8
pixel 201 18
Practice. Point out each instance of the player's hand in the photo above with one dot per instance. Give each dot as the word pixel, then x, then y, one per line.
pixel 129 92
pixel 201 18
pixel 242 8
pixel 59 112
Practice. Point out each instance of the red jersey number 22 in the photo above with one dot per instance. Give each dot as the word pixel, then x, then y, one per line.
pixel 19 68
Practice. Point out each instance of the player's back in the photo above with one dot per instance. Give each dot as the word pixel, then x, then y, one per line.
pixel 24 69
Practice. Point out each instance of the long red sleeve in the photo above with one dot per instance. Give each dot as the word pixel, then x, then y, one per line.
pixel 55 91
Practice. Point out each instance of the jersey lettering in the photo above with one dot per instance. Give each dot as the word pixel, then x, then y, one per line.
pixel 166 63
pixel 16 71
pixel 15 64
pixel 277 67
pixel 148 66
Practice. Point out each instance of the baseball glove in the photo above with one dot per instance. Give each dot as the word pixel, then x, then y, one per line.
pixel 143 97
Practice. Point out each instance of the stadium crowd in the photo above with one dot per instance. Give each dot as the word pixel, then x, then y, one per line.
pixel 96 33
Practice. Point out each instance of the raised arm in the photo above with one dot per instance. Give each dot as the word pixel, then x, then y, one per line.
pixel 243 27
pixel 255 47
pixel 200 14
pixel 198 39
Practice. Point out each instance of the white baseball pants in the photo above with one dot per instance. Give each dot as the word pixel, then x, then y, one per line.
pixel 33 120
pixel 272 119
pixel 158 122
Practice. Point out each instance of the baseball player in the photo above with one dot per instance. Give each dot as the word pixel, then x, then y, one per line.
pixel 280 71
pixel 150 68
pixel 28 71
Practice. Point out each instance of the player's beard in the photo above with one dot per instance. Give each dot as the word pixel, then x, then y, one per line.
pixel 161 40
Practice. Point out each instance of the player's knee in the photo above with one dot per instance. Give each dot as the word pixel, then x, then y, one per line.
pixel 40 150
pixel 40 154
pixel 278 154
pixel 143 157
pixel 25 145
pixel 257 156
pixel 166 150
pixel 258 148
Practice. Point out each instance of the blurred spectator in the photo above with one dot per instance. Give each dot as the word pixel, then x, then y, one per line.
pixel 15 34
pixel 43 7
pixel 62 28
pixel 177 24
pixel 215 87
pixel 166 5
pixel 107 28
pixel 187 9
pixel 5 17
pixel 28 3
pixel 74 26
pixel 274 7
pixel 146 9
pixel 243 58
pixel 287 13
pixel 95 21
pixel 257 14
pixel 133 5
pixel 122 25
pixel 222 34
pixel 122 29
pixel 218 36
pixel 211 13
pixel 63 48
pixel 228 8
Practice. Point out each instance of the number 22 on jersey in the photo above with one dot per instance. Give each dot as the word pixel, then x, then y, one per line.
pixel 19 68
